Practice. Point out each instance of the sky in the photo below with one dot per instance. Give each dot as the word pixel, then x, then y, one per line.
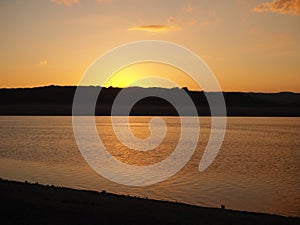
pixel 250 45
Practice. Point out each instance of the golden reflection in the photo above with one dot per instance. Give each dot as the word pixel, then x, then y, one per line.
pixel 140 158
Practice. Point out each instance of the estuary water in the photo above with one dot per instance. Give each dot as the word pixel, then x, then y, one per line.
pixel 257 168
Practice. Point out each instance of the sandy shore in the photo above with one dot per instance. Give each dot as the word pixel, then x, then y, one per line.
pixel 24 203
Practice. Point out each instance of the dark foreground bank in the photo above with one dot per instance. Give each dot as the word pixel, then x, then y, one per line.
pixel 24 203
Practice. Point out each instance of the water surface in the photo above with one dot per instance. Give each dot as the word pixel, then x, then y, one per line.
pixel 257 169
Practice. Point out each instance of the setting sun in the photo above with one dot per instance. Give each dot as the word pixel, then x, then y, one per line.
pixel 151 74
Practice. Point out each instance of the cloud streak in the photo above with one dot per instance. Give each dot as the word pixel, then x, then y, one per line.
pixel 43 62
pixel 154 28
pixel 65 2
pixel 280 6
pixel 104 1
pixel 74 2
pixel 189 9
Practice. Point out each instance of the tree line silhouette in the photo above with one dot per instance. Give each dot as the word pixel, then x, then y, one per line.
pixel 57 100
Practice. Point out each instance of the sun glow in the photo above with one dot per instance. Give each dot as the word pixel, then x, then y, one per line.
pixel 149 74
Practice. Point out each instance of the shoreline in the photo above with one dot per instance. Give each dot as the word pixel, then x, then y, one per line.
pixel 28 203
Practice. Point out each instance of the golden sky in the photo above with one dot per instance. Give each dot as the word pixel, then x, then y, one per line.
pixel 250 45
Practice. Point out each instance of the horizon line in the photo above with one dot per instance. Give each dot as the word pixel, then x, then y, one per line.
pixel 167 88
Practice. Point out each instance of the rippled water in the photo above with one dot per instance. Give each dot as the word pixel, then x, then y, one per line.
pixel 257 168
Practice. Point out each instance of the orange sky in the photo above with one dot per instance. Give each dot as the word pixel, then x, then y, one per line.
pixel 250 45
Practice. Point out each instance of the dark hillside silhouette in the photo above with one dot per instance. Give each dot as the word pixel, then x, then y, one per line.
pixel 57 100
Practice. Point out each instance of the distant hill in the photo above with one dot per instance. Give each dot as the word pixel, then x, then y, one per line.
pixel 57 100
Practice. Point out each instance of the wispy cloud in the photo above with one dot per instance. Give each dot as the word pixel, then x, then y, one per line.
pixel 280 6
pixel 104 1
pixel 155 28
pixel 282 39
pixel 43 62
pixel 74 2
pixel 172 19
pixel 189 8
pixel 65 2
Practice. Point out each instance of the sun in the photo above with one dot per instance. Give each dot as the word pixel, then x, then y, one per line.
pixel 151 74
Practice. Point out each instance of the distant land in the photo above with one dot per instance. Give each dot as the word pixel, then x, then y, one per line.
pixel 57 100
